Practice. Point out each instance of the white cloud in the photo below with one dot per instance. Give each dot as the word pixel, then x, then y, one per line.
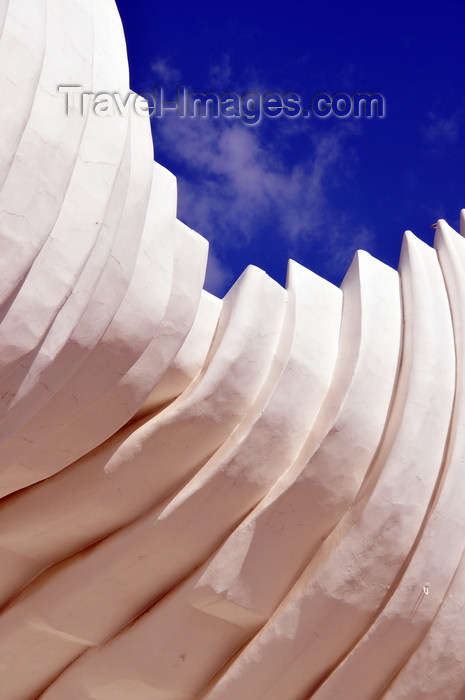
pixel 220 74
pixel 233 179
pixel 166 74
pixel 237 181
pixel 441 130
pixel 218 276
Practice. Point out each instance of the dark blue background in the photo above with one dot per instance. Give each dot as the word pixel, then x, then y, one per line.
pixel 332 185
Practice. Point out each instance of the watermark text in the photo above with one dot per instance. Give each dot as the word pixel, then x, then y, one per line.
pixel 249 107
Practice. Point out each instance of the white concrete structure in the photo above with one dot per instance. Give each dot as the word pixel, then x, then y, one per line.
pixel 254 498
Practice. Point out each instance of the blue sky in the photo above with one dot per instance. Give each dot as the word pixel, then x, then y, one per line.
pixel 311 189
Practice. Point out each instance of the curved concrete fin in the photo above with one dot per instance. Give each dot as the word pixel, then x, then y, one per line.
pixel 22 51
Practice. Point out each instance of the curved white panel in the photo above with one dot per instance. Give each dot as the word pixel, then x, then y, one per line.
pixel 402 509
pixel 22 50
pixel 435 669
pixel 340 592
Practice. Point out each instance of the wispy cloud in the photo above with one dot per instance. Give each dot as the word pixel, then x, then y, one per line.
pixel 233 179
pixel 165 73
pixel 441 130
pixel 218 276
pixel 237 182
pixel 220 73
